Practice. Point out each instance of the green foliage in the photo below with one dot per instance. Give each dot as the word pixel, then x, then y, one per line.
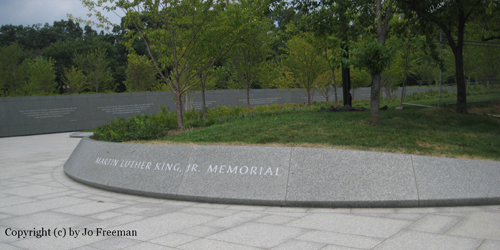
pixel 268 74
pixel 413 130
pixel 37 37
pixel 141 73
pixel 220 78
pixel 394 74
pixel 186 37
pixel 472 90
pixel 373 56
pixel 407 131
pixel 451 17
pixel 249 54
pixel 429 94
pixel 423 64
pixel 303 64
pixel 64 54
pixel 95 66
pixel 20 76
pixel 140 127
pixel 482 63
pixel 41 77
pixel 150 127
pixel 12 73
pixel 359 77
pixel 74 80
pixel 324 84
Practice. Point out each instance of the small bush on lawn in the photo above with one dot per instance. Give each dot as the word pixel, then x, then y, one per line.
pixel 140 127
pixel 429 94
pixel 150 127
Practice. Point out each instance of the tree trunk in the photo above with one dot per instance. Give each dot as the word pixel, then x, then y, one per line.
pixel 180 121
pixel 458 49
pixel 309 96
pixel 375 119
pixel 461 87
pixel 335 87
pixel 248 95
pixel 459 64
pixel 346 78
pixel 382 30
pixel 203 104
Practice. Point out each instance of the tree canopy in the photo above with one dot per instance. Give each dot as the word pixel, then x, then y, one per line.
pixel 185 45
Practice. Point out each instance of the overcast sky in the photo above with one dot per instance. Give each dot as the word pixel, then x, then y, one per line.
pixel 28 12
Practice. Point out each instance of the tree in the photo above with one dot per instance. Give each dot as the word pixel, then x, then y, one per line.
pixel 332 54
pixel 64 55
pixel 268 74
pixel 484 66
pixel 428 68
pixel 249 53
pixel 220 77
pixel 325 86
pixel 36 37
pixel 359 77
pixel 95 66
pixel 394 74
pixel 451 17
pixel 375 56
pixel 344 19
pixel 481 59
pixel 141 73
pixel 303 64
pixel 41 77
pixel 74 80
pixel 12 74
pixel 176 35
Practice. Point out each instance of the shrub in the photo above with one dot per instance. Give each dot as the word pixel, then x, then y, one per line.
pixel 429 94
pixel 140 127
pixel 150 127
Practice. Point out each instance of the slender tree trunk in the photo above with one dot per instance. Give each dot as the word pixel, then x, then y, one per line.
pixel 461 86
pixel 335 87
pixel 309 96
pixel 180 121
pixel 382 31
pixel 332 68
pixel 459 64
pixel 346 79
pixel 375 119
pixel 203 81
pixel 458 50
pixel 203 104
pixel 247 87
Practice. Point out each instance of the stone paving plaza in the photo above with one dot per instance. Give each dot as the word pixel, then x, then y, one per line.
pixel 37 198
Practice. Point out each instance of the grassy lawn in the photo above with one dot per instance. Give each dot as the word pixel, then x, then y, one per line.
pixel 493 94
pixel 413 130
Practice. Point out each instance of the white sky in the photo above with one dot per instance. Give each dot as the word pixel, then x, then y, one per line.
pixel 28 12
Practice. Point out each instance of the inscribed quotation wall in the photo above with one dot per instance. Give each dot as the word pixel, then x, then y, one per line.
pixel 61 113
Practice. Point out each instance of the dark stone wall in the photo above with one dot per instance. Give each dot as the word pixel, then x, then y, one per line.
pixel 51 114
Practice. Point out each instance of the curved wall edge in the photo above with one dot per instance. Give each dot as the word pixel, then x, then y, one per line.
pixel 284 176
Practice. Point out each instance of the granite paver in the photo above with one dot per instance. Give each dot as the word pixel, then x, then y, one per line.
pixel 35 193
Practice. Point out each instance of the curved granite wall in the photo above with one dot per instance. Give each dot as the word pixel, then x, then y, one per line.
pixel 284 176
pixel 29 115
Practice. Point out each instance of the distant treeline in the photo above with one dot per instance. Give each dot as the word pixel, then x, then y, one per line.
pixel 67 58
